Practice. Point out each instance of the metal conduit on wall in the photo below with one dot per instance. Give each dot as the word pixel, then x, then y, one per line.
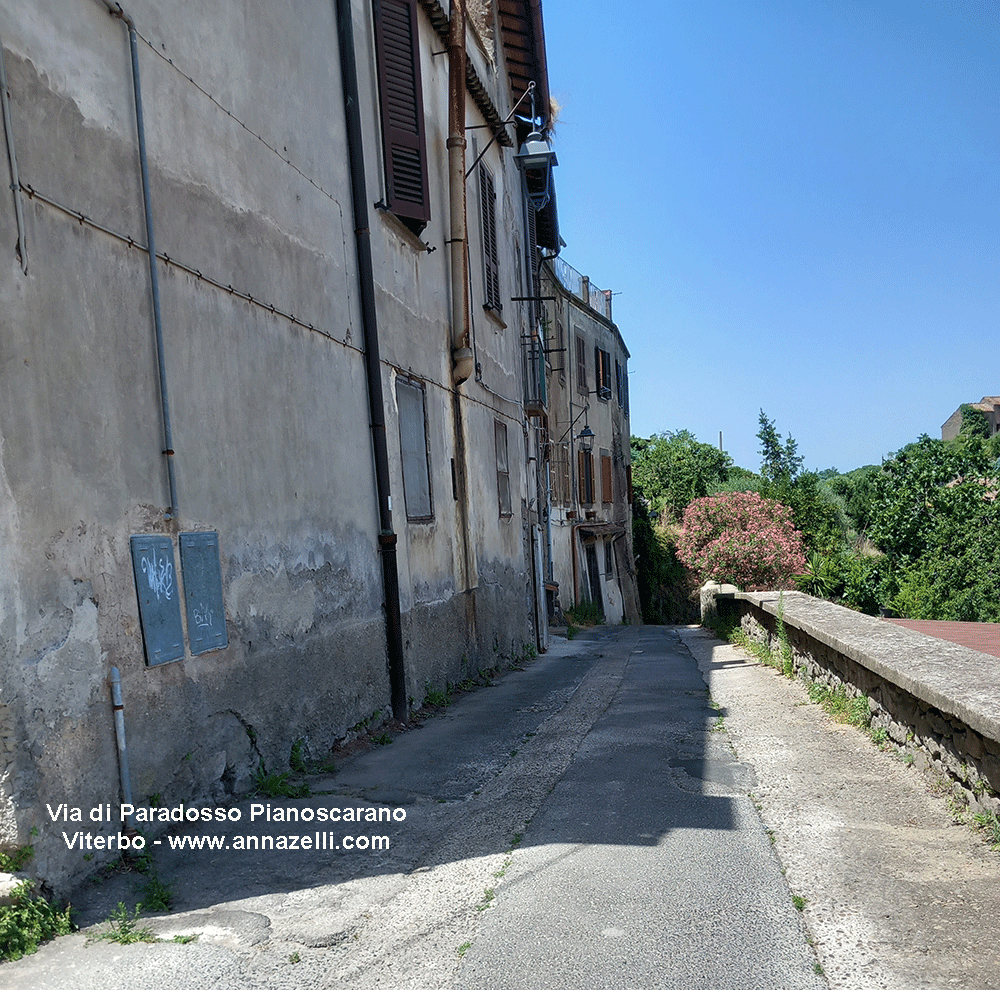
pixel 115 10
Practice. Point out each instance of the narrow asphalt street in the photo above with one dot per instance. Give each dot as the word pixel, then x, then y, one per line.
pixel 583 823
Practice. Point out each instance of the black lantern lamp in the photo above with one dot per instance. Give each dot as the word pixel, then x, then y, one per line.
pixel 586 438
pixel 535 160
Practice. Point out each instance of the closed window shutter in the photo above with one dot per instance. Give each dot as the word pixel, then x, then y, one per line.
pixel 607 491
pixel 531 254
pixel 491 257
pixel 398 53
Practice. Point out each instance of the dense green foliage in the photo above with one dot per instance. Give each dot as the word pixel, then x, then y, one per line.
pixel 27 921
pixel 669 470
pixel 935 515
pixel 817 515
pixel 917 536
pixel 666 586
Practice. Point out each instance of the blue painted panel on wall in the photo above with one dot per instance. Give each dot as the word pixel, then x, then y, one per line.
pixel 159 600
pixel 206 614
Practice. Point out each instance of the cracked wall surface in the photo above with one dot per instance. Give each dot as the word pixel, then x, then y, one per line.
pixel 268 397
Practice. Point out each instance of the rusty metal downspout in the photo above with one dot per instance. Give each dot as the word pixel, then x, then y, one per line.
pixel 463 360
pixel 461 353
pixel 115 10
pixel 369 319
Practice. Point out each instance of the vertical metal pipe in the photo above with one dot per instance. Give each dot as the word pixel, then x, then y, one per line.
pixel 119 709
pixel 369 320
pixel 462 358
pixel 15 183
pixel 116 10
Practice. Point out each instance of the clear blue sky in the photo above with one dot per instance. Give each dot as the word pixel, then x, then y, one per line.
pixel 799 204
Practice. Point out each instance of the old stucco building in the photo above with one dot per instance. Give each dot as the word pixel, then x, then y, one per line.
pixel 590 465
pixel 285 477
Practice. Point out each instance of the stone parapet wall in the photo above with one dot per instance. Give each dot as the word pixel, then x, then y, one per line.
pixel 934 700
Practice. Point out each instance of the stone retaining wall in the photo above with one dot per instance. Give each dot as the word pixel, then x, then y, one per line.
pixel 934 700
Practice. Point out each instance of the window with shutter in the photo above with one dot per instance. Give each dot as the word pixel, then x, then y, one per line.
pixel 503 470
pixel 602 372
pixel 563 484
pixel 531 266
pixel 413 449
pixel 398 54
pixel 585 467
pixel 581 364
pixel 607 489
pixel 491 257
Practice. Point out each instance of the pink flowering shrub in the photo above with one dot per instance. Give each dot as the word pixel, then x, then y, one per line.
pixel 742 539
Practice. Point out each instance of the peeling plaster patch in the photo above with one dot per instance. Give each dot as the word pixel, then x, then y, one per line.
pixel 12 614
pixel 272 597
pixel 71 672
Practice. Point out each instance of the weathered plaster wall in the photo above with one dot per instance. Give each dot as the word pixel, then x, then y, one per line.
pixel 269 414
pixel 270 419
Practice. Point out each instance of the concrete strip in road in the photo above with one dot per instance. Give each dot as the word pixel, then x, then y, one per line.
pixel 897 896
pixel 647 866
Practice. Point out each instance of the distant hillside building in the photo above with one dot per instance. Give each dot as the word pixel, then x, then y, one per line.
pixel 989 406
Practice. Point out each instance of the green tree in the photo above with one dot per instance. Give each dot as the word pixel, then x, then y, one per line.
pixel 671 469
pixel 666 586
pixel 919 485
pixel 780 462
pixel 855 491
pixel 814 511
pixel 957 578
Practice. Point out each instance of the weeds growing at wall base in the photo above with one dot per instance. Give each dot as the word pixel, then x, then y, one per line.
pixel 855 710
pixel 28 921
pixel 125 929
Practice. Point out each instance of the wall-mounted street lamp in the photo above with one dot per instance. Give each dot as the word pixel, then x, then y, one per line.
pixel 535 160
pixel 586 438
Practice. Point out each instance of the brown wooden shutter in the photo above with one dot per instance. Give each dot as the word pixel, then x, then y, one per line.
pixel 531 257
pixel 491 257
pixel 398 51
pixel 607 490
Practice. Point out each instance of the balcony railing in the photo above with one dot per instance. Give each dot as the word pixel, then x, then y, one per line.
pixel 536 394
pixel 598 300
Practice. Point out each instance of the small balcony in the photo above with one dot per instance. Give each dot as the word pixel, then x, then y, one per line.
pixel 536 392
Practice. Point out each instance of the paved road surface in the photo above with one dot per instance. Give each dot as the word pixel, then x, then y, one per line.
pixel 582 823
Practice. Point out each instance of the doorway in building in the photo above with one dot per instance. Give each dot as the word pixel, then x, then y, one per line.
pixel 594 577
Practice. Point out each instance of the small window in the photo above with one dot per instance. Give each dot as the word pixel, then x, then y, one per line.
pixel 620 383
pixel 491 256
pixel 602 373
pixel 581 364
pixel 609 560
pixel 503 470
pixel 413 448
